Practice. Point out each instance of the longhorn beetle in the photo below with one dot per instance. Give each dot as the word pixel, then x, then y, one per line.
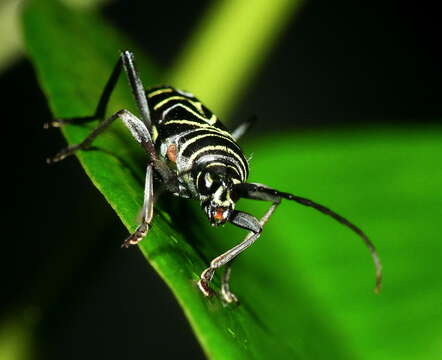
pixel 195 157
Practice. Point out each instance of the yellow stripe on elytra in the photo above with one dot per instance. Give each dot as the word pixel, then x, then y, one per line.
pixel 199 107
pixel 170 98
pixel 222 148
pixel 225 165
pixel 200 114
pixel 159 91
pixel 197 124
pixel 210 121
pixel 198 137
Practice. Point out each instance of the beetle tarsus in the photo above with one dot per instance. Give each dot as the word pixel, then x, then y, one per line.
pixel 203 283
pixel 137 236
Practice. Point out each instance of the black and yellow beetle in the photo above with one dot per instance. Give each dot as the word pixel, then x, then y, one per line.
pixel 195 157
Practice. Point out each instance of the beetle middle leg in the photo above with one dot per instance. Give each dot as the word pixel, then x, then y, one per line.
pixel 147 212
pixel 88 140
pixel 134 124
pixel 141 134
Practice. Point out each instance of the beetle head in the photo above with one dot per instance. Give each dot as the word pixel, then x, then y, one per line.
pixel 216 196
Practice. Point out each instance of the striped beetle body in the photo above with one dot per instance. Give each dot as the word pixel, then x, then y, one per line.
pixel 198 145
pixel 196 157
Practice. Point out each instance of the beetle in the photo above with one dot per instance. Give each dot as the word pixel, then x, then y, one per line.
pixel 195 157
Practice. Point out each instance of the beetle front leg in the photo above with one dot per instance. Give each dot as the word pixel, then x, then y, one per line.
pixel 245 221
pixel 226 294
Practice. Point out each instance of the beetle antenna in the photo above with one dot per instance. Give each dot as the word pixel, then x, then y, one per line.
pixel 344 221
pixel 256 189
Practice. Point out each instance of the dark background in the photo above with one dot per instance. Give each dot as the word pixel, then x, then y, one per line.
pixel 338 64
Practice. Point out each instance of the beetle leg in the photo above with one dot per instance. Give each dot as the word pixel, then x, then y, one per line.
pixel 102 103
pixel 147 212
pixel 227 295
pixel 139 132
pixel 136 127
pixel 126 62
pixel 243 128
pixel 137 87
pixel 245 221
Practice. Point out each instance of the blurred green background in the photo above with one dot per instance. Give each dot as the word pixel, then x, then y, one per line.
pixel 348 97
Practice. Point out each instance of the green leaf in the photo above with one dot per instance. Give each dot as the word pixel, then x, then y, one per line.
pixel 305 287
pixel 388 181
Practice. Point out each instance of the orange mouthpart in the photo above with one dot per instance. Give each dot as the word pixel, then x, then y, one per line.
pixel 219 214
